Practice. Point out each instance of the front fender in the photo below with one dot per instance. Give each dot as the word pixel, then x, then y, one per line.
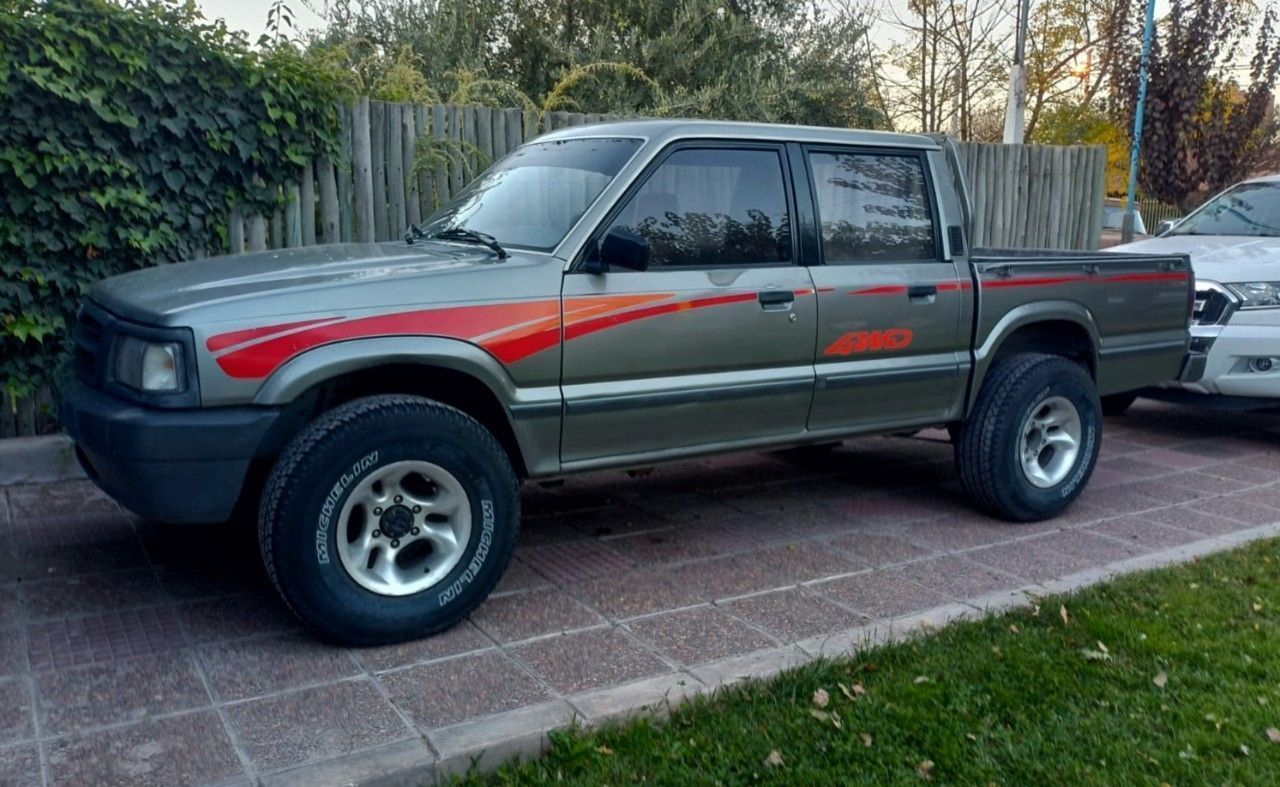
pixel 532 412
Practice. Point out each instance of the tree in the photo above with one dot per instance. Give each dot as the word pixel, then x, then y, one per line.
pixel 1203 126
pixel 1070 45
pixel 783 60
pixel 952 65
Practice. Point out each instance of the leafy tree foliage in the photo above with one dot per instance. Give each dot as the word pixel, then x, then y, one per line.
pixel 781 60
pixel 1203 126
pixel 127 133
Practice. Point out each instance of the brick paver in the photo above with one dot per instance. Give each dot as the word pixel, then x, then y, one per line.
pixel 138 653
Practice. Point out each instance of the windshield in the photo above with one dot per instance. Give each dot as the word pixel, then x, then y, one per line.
pixel 1246 209
pixel 533 197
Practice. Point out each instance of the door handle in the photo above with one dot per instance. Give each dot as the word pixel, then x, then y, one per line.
pixel 922 293
pixel 776 298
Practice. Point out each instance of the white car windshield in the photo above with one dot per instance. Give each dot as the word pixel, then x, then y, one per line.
pixel 1245 209
pixel 533 196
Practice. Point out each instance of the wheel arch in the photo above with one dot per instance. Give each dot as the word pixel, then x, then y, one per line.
pixel 1060 328
pixel 526 421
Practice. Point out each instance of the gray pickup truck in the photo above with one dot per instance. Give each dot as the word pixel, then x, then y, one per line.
pixel 608 296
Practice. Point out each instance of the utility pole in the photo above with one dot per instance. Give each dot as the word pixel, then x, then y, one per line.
pixel 1126 227
pixel 1015 110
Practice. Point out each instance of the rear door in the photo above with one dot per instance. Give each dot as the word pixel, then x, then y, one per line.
pixel 713 344
pixel 891 340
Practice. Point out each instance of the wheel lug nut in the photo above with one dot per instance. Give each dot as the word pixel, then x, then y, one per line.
pixel 415 531
pixel 417 509
pixel 395 543
pixel 377 512
pixel 377 534
pixel 399 498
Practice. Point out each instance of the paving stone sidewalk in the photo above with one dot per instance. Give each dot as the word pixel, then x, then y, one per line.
pixel 135 653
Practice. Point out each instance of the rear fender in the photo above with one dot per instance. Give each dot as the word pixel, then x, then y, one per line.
pixel 1023 316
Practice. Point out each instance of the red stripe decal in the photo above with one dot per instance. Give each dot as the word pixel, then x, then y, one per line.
pixel 510 331
pixel 610 320
pixel 259 360
pixel 1120 278
pixel 805 291
pixel 887 289
pixel 224 340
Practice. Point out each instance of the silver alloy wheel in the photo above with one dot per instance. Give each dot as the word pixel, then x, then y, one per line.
pixel 404 528
pixel 1050 442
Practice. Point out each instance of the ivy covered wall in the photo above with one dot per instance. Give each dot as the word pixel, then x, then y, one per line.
pixel 127 131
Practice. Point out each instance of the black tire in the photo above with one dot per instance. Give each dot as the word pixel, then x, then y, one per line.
pixel 987 449
pixel 1117 404
pixel 319 469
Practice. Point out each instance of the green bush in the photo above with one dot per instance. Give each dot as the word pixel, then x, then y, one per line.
pixel 127 132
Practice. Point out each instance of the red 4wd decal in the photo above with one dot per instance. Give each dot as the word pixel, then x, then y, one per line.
pixel 870 341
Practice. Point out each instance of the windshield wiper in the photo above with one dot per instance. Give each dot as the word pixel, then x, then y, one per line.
pixel 463 235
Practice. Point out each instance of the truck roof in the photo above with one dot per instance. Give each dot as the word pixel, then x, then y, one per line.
pixel 666 130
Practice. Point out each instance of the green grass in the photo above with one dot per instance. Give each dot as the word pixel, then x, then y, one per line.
pixel 1022 698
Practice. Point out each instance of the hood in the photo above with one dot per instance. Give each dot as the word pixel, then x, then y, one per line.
pixel 314 278
pixel 1227 259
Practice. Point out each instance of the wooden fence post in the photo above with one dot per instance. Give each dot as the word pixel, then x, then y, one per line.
pixel 256 232
pixel 344 173
pixel 378 151
pixel 395 173
pixel 362 164
pixel 307 204
pixel 422 127
pixel 292 216
pixel 330 214
pixel 235 231
pixel 454 132
pixel 409 135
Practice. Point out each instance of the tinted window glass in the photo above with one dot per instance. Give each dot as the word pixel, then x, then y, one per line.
pixel 1247 209
pixel 873 207
pixel 534 196
pixel 713 207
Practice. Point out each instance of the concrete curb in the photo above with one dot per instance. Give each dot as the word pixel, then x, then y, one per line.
pixel 38 460
pixel 485 743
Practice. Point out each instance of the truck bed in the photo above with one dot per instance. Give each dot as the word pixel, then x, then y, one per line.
pixel 1135 306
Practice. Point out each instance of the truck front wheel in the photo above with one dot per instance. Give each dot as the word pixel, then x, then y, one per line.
pixel 388 518
pixel 1032 440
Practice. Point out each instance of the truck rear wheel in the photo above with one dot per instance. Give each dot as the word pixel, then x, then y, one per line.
pixel 388 518
pixel 1032 440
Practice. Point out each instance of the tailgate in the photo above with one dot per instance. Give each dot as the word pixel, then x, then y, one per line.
pixel 1136 307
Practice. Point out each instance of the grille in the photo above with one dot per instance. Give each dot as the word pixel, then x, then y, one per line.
pixel 87 338
pixel 1212 307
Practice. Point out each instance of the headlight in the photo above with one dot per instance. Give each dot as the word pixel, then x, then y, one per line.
pixel 1257 294
pixel 148 366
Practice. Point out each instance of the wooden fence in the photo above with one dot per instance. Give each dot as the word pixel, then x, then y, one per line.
pixel 377 187
pixel 1023 195
pixel 1036 196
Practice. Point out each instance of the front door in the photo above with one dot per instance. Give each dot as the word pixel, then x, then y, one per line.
pixel 712 344
pixel 892 346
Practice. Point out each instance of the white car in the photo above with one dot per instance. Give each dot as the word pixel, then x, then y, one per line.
pixel 1234 244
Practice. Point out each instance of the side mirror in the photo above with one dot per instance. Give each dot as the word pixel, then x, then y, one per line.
pixel 624 248
pixel 1166 225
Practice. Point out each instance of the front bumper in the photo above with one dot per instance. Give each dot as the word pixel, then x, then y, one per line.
pixel 1217 372
pixel 165 465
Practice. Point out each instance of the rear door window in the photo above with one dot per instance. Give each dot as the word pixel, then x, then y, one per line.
pixel 873 207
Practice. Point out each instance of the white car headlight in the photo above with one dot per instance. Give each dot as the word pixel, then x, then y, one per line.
pixel 1257 294
pixel 148 366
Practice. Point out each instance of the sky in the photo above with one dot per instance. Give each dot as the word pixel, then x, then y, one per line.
pixel 251 15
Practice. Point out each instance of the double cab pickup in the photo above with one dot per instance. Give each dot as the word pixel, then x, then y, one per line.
pixel 608 296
